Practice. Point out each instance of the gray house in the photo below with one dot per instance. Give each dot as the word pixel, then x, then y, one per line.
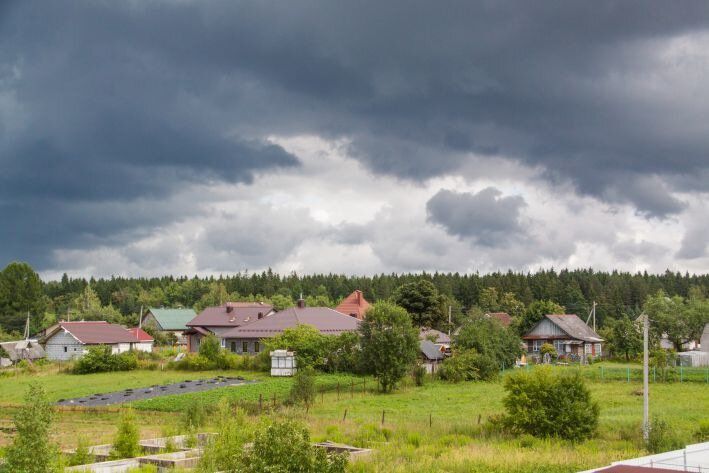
pixel 68 340
pixel 569 334
pixel 21 350
pixel 704 343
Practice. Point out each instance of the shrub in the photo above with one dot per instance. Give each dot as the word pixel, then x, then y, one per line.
pixel 99 359
pixel 345 354
pixel 548 348
pixel 310 346
pixel 468 365
pixel 220 453
pixel 193 362
pixel 661 437
pixel 126 444
pixel 283 446
pixel 419 374
pixel 303 388
pixel 31 451
pixel 194 415
pixel 548 404
pixel 702 433
pixel 81 455
pixel 210 347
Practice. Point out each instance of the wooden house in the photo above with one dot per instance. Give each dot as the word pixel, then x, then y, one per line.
pixel 68 340
pixel 569 335
pixel 169 320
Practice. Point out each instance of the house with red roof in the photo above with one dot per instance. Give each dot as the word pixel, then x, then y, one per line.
pixel 354 305
pixel 219 319
pixel 247 339
pixel 69 340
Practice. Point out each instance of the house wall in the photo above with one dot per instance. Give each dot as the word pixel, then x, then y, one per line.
pixel 546 327
pixel 149 319
pixel 705 339
pixel 63 346
pixel 143 346
pixel 237 345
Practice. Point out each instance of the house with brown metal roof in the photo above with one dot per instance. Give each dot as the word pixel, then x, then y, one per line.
pixel 354 305
pixel 568 333
pixel 68 340
pixel 220 319
pixel 247 338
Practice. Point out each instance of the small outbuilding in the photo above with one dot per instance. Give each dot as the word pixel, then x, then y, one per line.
pixel 145 341
pixel 169 320
pixel 431 355
pixel 283 363
pixel 29 350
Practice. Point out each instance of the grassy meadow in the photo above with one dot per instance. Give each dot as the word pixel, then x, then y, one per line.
pixel 426 429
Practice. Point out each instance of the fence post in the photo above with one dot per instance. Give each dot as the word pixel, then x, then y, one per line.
pixel 681 373
pixel 338 390
pixel 601 373
pixel 351 389
pixel 260 403
pixel 430 420
pixel 654 379
pixel 628 373
pixel 382 417
pixel 345 415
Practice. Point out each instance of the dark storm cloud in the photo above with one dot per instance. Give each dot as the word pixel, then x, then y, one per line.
pixel 114 101
pixel 486 217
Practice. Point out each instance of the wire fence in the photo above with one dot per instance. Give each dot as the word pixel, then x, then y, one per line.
pixel 678 374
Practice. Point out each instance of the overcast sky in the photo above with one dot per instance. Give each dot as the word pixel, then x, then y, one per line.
pixel 188 137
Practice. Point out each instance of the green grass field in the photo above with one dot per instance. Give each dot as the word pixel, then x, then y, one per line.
pixel 426 429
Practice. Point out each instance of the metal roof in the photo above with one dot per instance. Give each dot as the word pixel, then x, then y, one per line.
pixel 430 350
pixel 573 326
pixel 94 332
pixel 231 314
pixel 326 320
pixel 355 304
pixel 172 319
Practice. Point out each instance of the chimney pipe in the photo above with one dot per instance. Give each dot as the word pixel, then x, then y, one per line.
pixel 229 309
pixel 301 303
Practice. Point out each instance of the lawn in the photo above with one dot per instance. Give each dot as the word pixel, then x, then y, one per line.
pixel 426 429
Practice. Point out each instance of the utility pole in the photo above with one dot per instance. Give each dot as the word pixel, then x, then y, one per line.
pixel 594 315
pixel 646 399
pixel 27 327
pixel 450 321
pixel 140 317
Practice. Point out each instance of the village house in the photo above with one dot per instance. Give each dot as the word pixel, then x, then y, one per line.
pixel 440 339
pixel 220 319
pixel 354 305
pixel 29 350
pixel 248 337
pixel 503 317
pixel 68 340
pixel 569 335
pixel 169 320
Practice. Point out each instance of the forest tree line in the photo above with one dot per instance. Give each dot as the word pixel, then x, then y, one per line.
pixel 618 295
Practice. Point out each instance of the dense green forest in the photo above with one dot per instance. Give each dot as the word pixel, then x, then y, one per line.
pixel 616 293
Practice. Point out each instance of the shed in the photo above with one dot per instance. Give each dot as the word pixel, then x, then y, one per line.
pixel 145 341
pixel 169 320
pixel 431 355
pixel 283 363
pixel 22 350
pixel 67 340
pixel 693 358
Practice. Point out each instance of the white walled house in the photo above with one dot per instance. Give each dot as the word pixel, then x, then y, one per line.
pixel 69 340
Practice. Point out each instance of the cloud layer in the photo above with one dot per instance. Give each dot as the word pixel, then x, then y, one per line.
pixel 259 134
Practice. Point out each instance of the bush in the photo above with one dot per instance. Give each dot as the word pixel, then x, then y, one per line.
pixel 283 446
pixel 548 348
pixel 31 451
pixel 193 362
pixel 702 433
pixel 303 388
pixel 419 374
pixel 210 347
pixel 489 337
pixel 468 365
pixel 220 453
pixel 548 404
pixel 99 359
pixel 194 415
pixel 126 444
pixel 310 346
pixel 345 354
pixel 661 437
pixel 81 455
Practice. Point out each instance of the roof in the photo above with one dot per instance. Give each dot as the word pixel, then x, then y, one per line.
pixel 635 469
pixel 326 320
pixel 573 326
pixel 231 314
pixel 354 304
pixel 504 318
pixel 430 350
pixel 94 332
pixel 141 334
pixel 23 349
pixel 173 319
pixel 440 337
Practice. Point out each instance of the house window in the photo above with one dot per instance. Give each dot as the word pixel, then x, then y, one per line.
pixel 256 347
pixel 535 345
pixel 559 346
pixel 64 349
pixel 244 347
pixel 587 348
pixel 233 347
pixel 598 349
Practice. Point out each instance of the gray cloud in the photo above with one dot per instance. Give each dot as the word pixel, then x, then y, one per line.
pixel 127 102
pixel 484 217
